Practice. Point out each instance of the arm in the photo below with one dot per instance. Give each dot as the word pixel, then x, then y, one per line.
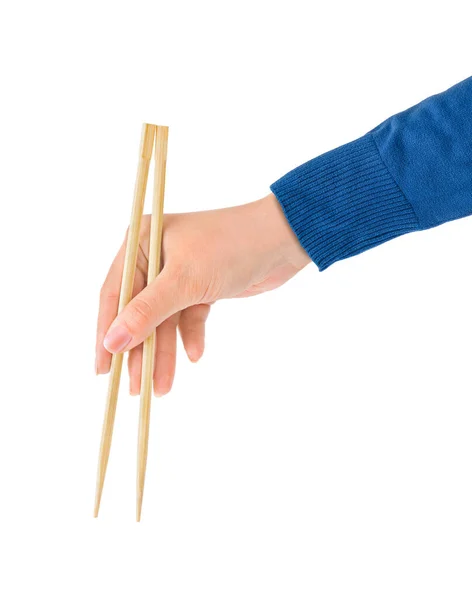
pixel 412 172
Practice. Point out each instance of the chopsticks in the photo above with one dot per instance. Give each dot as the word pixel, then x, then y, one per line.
pixel 154 267
pixel 159 135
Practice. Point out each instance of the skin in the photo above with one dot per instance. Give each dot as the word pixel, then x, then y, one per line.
pixel 207 256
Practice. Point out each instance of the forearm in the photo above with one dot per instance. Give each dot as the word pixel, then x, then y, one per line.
pixel 412 172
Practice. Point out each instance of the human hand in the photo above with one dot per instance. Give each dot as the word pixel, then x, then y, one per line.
pixel 206 256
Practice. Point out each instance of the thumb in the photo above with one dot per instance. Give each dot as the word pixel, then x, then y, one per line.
pixel 158 301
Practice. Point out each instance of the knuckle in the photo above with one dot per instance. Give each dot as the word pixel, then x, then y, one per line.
pixel 108 295
pixel 141 312
pixel 178 276
pixel 165 353
pixel 179 272
pixel 187 281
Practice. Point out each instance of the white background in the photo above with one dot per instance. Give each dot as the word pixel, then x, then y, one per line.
pixel 322 447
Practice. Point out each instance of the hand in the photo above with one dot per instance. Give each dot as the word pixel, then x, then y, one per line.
pixel 228 253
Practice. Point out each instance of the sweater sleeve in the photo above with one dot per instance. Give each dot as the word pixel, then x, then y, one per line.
pixel 412 172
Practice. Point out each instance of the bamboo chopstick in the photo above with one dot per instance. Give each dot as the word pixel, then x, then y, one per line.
pixel 132 245
pixel 149 344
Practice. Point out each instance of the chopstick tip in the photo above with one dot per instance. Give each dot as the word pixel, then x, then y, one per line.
pixel 139 506
pixel 97 504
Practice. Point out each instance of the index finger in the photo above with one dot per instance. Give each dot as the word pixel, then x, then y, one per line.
pixel 108 309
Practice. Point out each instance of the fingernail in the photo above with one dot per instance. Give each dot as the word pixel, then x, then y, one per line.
pixel 194 353
pixel 117 339
pixel 163 389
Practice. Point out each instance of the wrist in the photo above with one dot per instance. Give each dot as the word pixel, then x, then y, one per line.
pixel 283 236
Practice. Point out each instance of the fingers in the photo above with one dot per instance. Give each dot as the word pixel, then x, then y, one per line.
pixel 165 356
pixel 191 323
pixel 135 358
pixel 164 297
pixel 192 330
pixel 109 297
pixel 164 359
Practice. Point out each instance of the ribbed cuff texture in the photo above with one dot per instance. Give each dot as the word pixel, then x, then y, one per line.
pixel 344 202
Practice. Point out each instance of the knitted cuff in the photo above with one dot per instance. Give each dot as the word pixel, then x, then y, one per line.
pixel 344 202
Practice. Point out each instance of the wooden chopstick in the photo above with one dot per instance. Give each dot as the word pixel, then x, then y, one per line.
pixel 149 344
pixel 132 245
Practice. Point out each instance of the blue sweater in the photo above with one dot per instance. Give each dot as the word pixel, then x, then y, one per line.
pixel 412 172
